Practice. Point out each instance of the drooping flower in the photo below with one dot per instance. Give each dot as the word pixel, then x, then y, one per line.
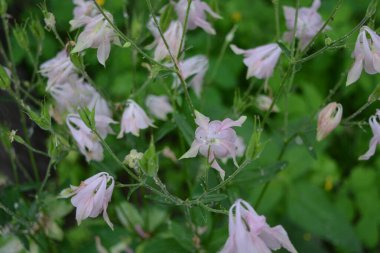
pixel 375 127
pixel 134 118
pixel 214 140
pixel 159 106
pixel 197 15
pixel 261 60
pixel 172 35
pixel 264 103
pixel 366 54
pixel 99 34
pixel 328 119
pixel 309 22
pixel 194 68
pixel 88 143
pixel 58 69
pixel 91 197
pixel 83 12
pixel 250 233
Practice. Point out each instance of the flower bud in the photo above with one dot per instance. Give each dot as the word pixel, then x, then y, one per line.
pixel 49 21
pixel 132 159
pixel 21 37
pixel 328 119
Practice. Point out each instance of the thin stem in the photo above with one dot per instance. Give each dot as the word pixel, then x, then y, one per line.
pixel 329 19
pixel 47 175
pixel 359 111
pixel 184 28
pixel 174 60
pixel 276 4
pixel 126 39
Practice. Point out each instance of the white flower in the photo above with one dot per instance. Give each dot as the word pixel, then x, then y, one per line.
pixel 328 119
pixel 195 68
pixel 250 233
pixel 159 106
pixel 375 127
pixel 88 143
pixel 58 69
pixel 215 139
pixel 261 60
pixel 366 54
pixel 91 197
pixel 83 12
pixel 172 36
pixel 197 15
pixel 99 34
pixel 134 118
pixel 308 24
pixel 264 102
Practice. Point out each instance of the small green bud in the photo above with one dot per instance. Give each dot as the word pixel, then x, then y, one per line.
pixel 21 37
pixel 328 41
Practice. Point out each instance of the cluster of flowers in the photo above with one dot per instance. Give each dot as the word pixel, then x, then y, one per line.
pixel 248 232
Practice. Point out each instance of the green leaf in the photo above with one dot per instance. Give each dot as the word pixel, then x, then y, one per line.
pixel 5 81
pixel 154 218
pixel 164 130
pixel 129 216
pixel 182 235
pixel 284 49
pixel 43 120
pixel 159 245
pixel 149 162
pixel 185 128
pixel 214 198
pixel 308 145
pixel 166 17
pixel 254 145
pixel 309 208
pixel 88 117
pixel 260 174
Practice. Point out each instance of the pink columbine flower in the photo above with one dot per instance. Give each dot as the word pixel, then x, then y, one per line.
pixel 134 118
pixel 215 139
pixel 328 119
pixel 83 12
pixel 366 54
pixel 193 68
pixel 250 233
pixel 99 34
pixel 88 143
pixel 159 106
pixel 375 126
pixel 58 69
pixel 308 24
pixel 261 60
pixel 91 197
pixel 197 15
pixel 172 36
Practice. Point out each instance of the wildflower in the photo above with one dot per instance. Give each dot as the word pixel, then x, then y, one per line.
pixel 261 60
pixel 366 54
pixel 86 140
pixel 309 22
pixel 215 139
pixel 134 118
pixel 328 119
pixel 159 106
pixel 91 197
pixel 99 34
pixel 250 233
pixel 58 69
pixel 194 68
pixel 375 127
pixel 84 11
pixel 264 103
pixel 172 35
pixel 197 15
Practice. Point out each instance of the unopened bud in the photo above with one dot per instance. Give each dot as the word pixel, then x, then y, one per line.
pixel 49 21
pixel 328 119
pixel 21 37
pixel 264 103
pixel 132 159
pixel 230 36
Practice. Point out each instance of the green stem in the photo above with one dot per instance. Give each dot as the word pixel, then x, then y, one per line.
pixel 184 28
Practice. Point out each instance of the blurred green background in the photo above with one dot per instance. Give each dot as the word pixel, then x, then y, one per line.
pixel 326 199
